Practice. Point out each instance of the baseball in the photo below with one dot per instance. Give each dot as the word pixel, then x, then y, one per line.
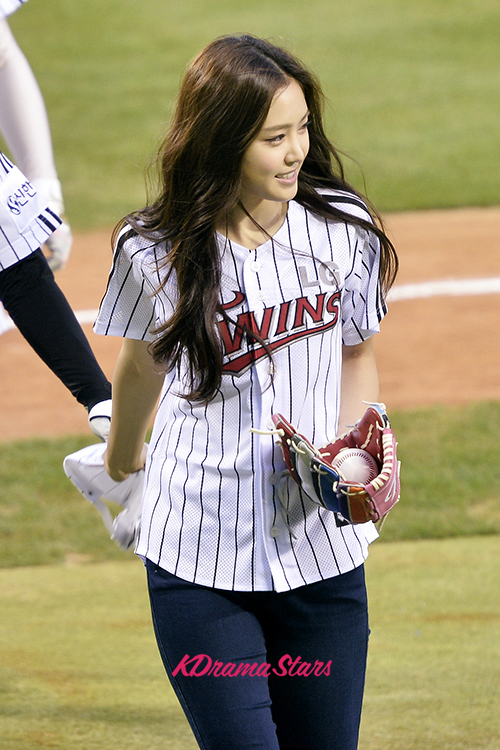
pixel 355 465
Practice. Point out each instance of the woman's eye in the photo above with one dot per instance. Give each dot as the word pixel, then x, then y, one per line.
pixel 275 139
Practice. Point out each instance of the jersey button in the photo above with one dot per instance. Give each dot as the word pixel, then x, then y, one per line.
pixel 275 531
pixel 255 266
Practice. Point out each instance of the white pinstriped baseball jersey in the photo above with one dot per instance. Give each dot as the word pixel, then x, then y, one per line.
pixel 24 223
pixel 7 7
pixel 214 496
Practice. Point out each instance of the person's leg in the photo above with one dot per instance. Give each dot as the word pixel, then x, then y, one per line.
pixel 316 701
pixel 202 631
pixel 43 315
pixel 23 116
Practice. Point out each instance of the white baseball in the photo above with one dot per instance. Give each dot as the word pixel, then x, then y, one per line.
pixel 355 465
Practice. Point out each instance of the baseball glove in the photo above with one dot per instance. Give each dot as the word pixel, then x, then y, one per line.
pixel 311 468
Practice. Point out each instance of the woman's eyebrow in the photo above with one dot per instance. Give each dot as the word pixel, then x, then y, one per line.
pixel 285 126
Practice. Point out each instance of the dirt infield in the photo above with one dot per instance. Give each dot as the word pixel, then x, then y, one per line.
pixel 436 349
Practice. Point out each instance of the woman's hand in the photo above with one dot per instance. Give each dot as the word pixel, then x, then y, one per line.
pixel 117 473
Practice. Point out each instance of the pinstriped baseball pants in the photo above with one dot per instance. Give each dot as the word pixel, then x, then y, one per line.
pixel 280 671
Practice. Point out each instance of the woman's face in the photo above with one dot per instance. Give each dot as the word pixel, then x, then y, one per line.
pixel 271 164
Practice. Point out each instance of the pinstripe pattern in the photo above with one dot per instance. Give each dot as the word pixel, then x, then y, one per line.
pixel 212 512
pixel 24 225
pixel 9 6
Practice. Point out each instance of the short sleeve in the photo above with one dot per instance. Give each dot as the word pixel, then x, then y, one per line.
pixel 128 308
pixel 7 7
pixel 25 223
pixel 363 306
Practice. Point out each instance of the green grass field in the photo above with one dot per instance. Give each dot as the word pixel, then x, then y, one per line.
pixel 413 92
pixel 413 89
pixel 450 478
pixel 79 669
pixel 78 663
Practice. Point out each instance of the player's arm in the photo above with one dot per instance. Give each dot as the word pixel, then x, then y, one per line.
pixel 44 316
pixel 136 388
pixel 359 382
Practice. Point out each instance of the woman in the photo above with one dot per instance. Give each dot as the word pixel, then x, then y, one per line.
pixel 251 285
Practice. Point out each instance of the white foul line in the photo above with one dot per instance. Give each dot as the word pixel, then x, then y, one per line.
pixel 448 288
pixel 426 289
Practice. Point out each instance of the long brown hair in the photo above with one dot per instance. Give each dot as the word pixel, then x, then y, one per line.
pixel 222 104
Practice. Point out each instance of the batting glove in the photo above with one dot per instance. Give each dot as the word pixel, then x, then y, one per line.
pixel 59 243
pixel 100 419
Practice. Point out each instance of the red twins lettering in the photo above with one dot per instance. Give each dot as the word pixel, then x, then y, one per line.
pixel 280 326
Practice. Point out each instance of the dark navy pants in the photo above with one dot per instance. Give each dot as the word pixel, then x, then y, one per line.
pixel 265 669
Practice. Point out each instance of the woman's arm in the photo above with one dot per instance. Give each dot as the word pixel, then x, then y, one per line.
pixel 136 388
pixel 359 382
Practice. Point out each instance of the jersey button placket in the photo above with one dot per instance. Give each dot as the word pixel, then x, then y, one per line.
pixel 254 293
